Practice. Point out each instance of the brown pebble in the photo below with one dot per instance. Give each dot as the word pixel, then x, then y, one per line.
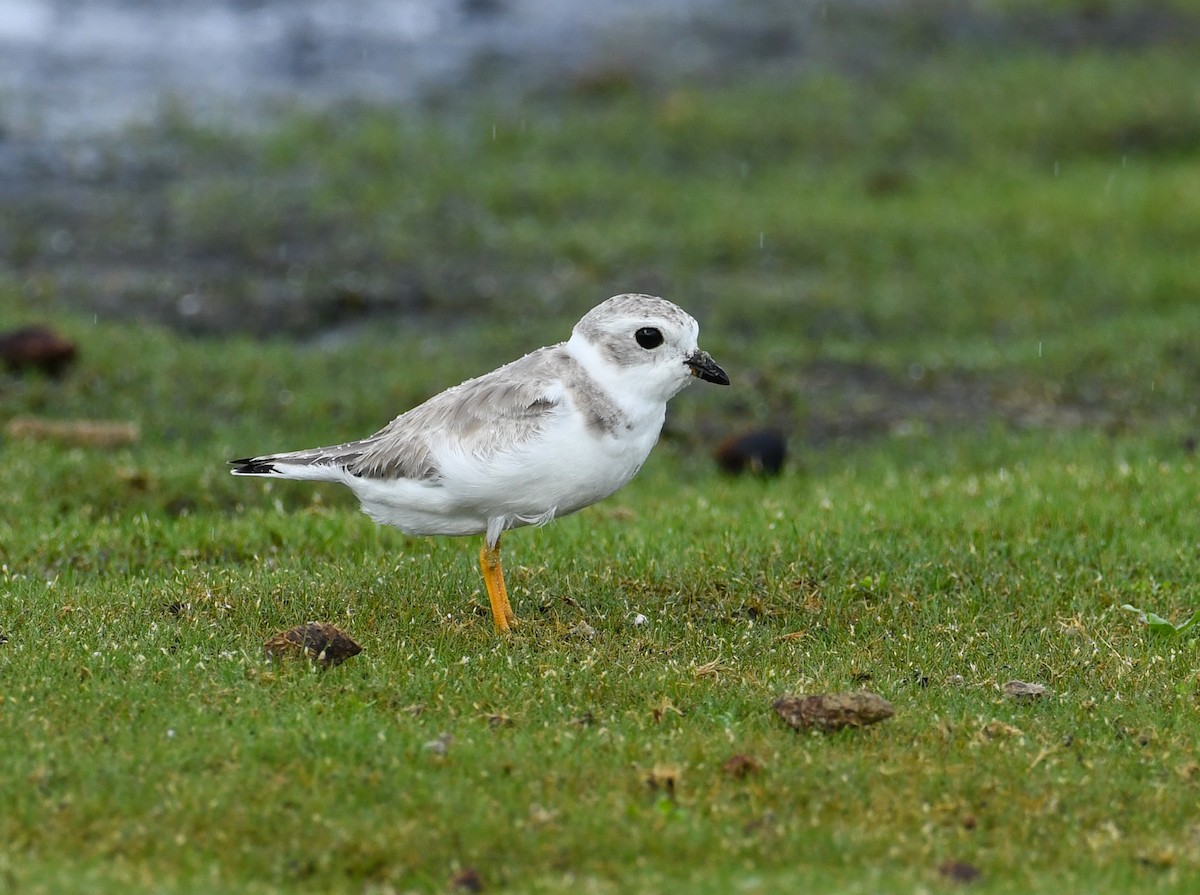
pixel 1024 690
pixel 37 348
pixel 319 641
pixel 761 452
pixel 833 711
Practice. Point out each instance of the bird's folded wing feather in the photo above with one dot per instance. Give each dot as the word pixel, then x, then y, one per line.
pixel 497 412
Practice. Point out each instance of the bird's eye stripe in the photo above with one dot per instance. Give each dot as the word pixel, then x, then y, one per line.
pixel 649 337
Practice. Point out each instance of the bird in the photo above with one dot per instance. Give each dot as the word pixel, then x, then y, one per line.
pixel 541 437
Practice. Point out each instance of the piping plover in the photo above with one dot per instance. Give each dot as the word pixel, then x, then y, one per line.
pixel 556 431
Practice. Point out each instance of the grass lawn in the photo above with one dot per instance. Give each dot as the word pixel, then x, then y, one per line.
pixel 968 293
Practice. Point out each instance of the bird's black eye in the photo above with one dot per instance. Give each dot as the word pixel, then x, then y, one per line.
pixel 648 337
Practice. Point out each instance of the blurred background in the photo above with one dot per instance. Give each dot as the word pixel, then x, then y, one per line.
pixel 886 213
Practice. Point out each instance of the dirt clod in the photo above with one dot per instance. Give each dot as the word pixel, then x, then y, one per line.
pixel 1024 690
pixel 833 711
pixel 36 348
pixel 321 642
pixel 761 452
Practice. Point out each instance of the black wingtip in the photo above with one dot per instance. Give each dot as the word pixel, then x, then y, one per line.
pixel 252 466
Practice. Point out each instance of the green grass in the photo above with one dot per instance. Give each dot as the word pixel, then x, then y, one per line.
pixel 1022 227
pixel 149 743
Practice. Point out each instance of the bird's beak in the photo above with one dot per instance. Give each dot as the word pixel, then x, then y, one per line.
pixel 706 368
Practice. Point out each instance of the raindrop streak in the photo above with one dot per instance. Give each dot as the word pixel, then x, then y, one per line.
pixel 1039 349
pixel 760 240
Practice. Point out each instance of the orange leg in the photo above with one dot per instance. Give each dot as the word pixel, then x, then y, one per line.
pixel 493 578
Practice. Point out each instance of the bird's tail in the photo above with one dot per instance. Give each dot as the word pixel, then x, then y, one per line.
pixel 320 464
pixel 254 466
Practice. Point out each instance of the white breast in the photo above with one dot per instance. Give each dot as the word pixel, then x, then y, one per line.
pixel 569 467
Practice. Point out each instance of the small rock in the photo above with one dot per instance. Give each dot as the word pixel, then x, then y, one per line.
pixel 760 452
pixel 319 641
pixel 833 711
pixel 37 348
pixel 1024 691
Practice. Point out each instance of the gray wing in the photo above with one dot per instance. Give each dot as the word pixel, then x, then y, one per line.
pixel 483 416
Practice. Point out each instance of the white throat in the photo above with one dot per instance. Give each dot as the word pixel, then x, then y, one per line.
pixel 628 388
pixel 601 370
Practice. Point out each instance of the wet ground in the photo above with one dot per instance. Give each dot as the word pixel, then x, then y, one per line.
pixel 78 76
pixel 75 67
pixel 99 100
